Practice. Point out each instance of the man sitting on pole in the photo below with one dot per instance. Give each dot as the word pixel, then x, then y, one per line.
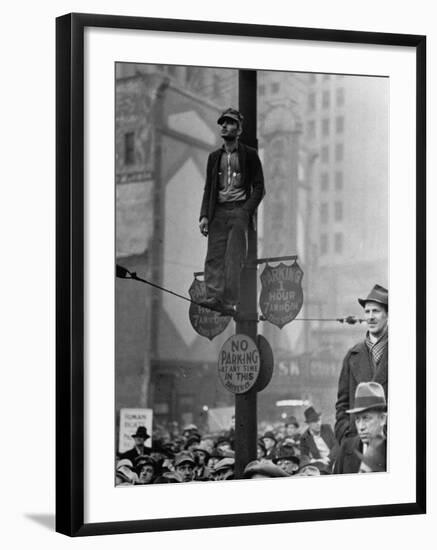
pixel 234 188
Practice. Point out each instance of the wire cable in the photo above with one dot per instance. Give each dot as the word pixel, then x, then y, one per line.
pixel 123 273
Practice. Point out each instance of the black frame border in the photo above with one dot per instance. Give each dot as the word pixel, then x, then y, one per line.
pixel 70 276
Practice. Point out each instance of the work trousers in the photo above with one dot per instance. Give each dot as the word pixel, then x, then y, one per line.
pixel 227 250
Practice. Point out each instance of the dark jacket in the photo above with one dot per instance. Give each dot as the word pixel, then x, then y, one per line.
pixel 308 447
pixel 347 461
pixel 132 454
pixel 251 176
pixel 357 367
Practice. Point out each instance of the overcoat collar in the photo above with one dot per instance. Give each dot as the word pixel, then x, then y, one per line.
pixel 361 365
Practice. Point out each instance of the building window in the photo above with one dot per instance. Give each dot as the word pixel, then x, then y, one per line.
pixel 338 181
pixel 262 89
pixel 326 77
pixel 339 124
pixel 190 75
pixel 216 85
pixel 325 127
pixel 311 101
pixel 324 181
pixel 325 153
pixel 311 129
pixel 339 98
pixel 312 78
pixel 338 243
pixel 129 148
pixel 339 152
pixel 338 211
pixel 324 212
pixel 275 87
pixel 325 99
pixel 323 243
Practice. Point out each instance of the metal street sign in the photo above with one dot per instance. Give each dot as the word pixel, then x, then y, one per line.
pixel 267 363
pixel 239 363
pixel 205 322
pixel 281 295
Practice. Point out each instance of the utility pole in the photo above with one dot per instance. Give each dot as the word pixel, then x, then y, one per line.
pixel 246 430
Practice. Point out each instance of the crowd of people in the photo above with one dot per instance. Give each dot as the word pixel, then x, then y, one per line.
pixel 192 456
pixel 285 450
pixel 357 444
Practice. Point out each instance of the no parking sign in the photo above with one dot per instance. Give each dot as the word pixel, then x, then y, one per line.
pixel 239 363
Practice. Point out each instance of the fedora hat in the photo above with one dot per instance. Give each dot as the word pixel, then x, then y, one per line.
pixel 264 468
pixel 192 438
pixel 311 415
pixel 141 432
pixel 125 462
pixel 223 439
pixel 204 448
pixel 269 435
pixel 231 113
pixel 292 420
pixel 368 395
pixel 190 428
pixel 378 294
pixel 286 452
pixel 224 464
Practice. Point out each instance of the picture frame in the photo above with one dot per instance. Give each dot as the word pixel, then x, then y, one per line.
pixel 73 362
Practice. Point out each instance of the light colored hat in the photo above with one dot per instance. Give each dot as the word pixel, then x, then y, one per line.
pixel 125 473
pixel 190 427
pixel 224 464
pixel 202 446
pixel 125 462
pixel 368 395
pixel 265 468
pixel 184 456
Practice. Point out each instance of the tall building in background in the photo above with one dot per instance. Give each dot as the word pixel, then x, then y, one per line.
pixel 213 84
pixel 346 124
pixel 323 140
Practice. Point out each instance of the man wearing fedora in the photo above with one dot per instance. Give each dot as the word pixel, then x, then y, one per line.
pixel 318 443
pixel 258 469
pixel 139 449
pixel 287 460
pixel 367 450
pixel 366 361
pixel 270 442
pixel 234 188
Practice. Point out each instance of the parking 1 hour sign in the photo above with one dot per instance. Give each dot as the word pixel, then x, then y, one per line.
pixel 239 363
pixel 281 295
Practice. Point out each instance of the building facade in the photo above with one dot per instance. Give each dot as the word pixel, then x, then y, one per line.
pixel 323 140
